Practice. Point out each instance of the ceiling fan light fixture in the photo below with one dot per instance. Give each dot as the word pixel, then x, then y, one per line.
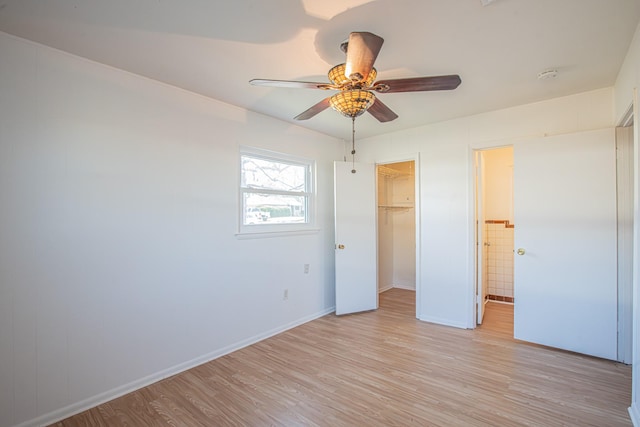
pixel 355 81
pixel 338 77
pixel 371 77
pixel 352 103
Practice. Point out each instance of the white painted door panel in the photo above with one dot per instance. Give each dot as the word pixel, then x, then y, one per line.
pixel 565 220
pixel 480 238
pixel 356 228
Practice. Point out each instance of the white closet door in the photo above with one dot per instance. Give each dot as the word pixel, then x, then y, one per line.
pixel 356 237
pixel 565 226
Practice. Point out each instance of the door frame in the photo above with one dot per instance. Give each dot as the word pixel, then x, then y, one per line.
pixel 472 314
pixel 625 171
pixel 416 161
pixel 479 238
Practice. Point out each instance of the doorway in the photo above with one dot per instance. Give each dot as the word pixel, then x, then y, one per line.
pixel 494 231
pixel 566 287
pixel 396 194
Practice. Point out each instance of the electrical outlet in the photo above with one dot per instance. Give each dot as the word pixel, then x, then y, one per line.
pixel 306 269
pixel 285 295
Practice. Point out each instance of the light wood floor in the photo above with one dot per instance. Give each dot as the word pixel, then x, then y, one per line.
pixel 384 368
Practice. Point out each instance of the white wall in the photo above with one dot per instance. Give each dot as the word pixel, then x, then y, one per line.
pixel 626 95
pixel 404 230
pixel 385 236
pixel 498 181
pixel 446 239
pixel 396 227
pixel 118 208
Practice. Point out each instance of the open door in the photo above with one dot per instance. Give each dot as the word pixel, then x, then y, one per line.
pixel 565 240
pixel 356 230
pixel 480 239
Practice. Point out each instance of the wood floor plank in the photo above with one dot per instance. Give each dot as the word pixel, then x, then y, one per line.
pixel 384 368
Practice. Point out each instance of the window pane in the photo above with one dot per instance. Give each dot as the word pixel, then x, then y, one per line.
pixel 274 209
pixel 273 175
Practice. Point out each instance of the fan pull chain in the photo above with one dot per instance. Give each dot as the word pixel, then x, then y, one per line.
pixel 353 145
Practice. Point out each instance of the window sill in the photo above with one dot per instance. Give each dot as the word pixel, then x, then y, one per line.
pixel 280 233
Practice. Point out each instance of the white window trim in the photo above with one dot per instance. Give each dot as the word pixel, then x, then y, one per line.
pixel 250 231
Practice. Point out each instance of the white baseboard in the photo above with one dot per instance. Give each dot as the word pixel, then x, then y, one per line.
pixel 634 413
pixel 406 288
pixel 83 405
pixel 385 289
pixel 392 286
pixel 444 322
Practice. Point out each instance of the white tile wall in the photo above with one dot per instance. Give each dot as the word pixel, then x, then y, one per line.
pixel 499 259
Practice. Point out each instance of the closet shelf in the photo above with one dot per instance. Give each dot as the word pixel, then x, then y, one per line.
pixel 396 207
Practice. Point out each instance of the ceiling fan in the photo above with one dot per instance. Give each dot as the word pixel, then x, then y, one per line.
pixel 355 81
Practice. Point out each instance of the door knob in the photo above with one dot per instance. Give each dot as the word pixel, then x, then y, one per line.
pixel 520 251
pixel 340 246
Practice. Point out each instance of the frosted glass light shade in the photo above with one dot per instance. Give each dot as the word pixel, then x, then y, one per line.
pixel 337 76
pixel 352 103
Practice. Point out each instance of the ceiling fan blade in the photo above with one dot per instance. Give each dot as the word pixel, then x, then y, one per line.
pixel 362 52
pixel 318 108
pixel 290 84
pixel 382 112
pixel 418 84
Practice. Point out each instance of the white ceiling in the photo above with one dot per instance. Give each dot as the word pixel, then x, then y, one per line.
pixel 214 47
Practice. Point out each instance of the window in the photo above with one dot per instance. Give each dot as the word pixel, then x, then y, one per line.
pixel 276 192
